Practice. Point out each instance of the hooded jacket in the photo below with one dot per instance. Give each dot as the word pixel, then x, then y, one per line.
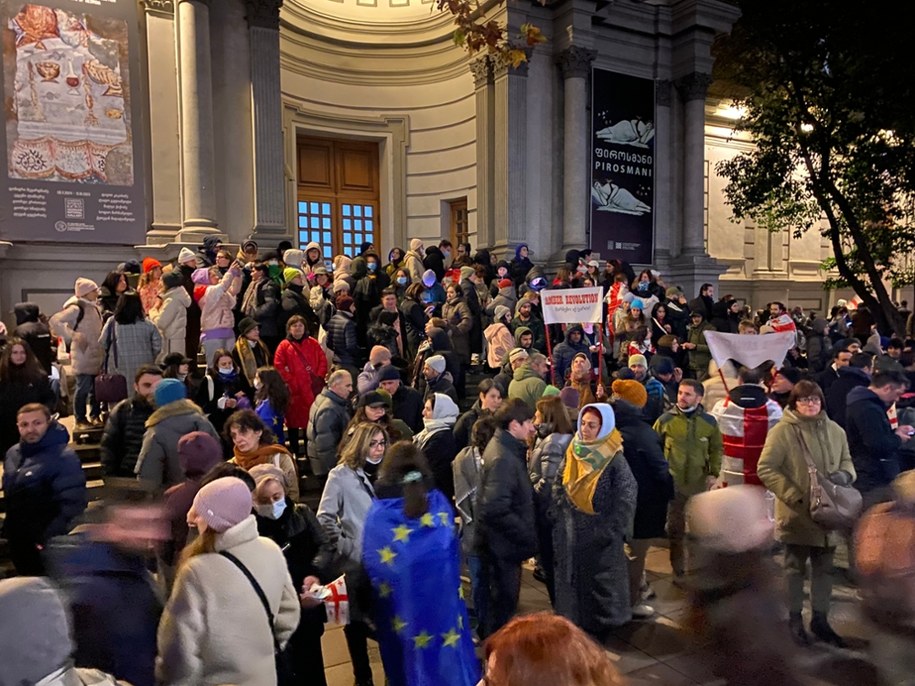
pixel 533 326
pixel 745 418
pixel 86 352
pixel 44 488
pixel 565 352
pixel 837 395
pixel 520 266
pixel 873 444
pixel 783 470
pixel 34 332
pixel 413 263
pixel 158 463
pixel 527 385
pixel 170 317
pixel 435 260
pixel 327 421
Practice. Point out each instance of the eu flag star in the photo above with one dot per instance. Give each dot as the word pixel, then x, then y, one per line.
pixel 387 555
pixel 402 533
pixel 446 519
pixel 384 590
pixel 398 624
pixel 422 640
pixel 451 638
pixel 427 520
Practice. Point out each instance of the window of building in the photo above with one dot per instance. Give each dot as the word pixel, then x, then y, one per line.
pixel 337 195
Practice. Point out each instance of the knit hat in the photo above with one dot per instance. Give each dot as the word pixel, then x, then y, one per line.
pixel 185 255
pixel 293 258
pixel 790 374
pixel 388 373
pixel 223 503
pixel 730 520
pixel 570 397
pixel 172 279
pixel 150 263
pixel 84 287
pixel 637 361
pixel 632 392
pixel 466 273
pixel 516 353
pixel 637 304
pixel 661 364
pixel 34 634
pixel 538 283
pixel 245 325
pixel 340 286
pixel 373 399
pixel 379 354
pixel 198 452
pixel 673 292
pixel 437 363
pixel 429 278
pixel 262 473
pixel 550 391
pixel 344 303
pixel 505 283
pixel 320 269
pixel 697 313
pixel 289 273
pixel 168 391
pixel 415 244
pixel 501 312
pixel 249 244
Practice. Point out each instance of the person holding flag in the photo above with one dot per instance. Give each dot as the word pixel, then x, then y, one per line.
pixel 421 619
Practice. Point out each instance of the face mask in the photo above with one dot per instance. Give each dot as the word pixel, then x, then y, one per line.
pixel 226 371
pixel 374 461
pixel 402 280
pixel 372 266
pixel 258 384
pixel 446 253
pixel 272 510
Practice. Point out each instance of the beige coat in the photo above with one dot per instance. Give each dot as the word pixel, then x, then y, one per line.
pixel 783 470
pixel 86 353
pixel 214 628
pixel 170 317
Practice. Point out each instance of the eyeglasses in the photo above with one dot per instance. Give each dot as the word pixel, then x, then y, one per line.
pixel 375 444
pixel 810 400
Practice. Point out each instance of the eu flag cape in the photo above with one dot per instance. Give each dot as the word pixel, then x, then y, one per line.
pixel 414 568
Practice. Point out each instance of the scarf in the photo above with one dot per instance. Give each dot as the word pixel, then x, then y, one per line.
pixel 262 454
pixel 430 427
pixel 249 302
pixel 585 462
pixel 247 359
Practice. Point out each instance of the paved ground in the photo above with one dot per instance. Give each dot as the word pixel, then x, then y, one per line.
pixel 660 650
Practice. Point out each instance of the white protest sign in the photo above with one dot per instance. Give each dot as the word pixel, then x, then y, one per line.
pixel 572 305
pixel 750 351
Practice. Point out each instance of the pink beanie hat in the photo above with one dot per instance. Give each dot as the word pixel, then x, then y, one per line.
pixel 223 503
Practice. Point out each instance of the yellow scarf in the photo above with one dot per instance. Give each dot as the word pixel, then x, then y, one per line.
pixel 585 462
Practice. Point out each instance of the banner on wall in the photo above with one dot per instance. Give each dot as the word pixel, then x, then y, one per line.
pixel 74 168
pixel 572 305
pixel 622 166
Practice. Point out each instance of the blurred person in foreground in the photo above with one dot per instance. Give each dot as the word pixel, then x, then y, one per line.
pixel 884 551
pixel 733 592
pixel 543 649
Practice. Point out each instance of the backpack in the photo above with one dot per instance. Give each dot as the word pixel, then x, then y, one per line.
pixel 79 318
pixel 885 559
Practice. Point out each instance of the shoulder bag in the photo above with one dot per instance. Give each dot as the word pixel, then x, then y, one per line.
pixel 317 382
pixel 831 506
pixel 111 388
pixel 284 672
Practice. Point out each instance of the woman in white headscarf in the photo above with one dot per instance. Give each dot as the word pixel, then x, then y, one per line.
pixel 436 440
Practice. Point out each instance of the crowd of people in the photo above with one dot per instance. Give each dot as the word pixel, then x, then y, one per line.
pixel 244 377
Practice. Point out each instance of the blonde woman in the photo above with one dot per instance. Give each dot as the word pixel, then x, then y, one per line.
pixel 215 628
pixel 348 495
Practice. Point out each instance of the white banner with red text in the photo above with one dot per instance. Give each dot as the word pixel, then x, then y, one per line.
pixel 572 305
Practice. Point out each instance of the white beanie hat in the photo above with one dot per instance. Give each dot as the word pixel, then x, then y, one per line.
pixel 293 257
pixel 436 362
pixel 185 255
pixel 730 520
pixel 84 287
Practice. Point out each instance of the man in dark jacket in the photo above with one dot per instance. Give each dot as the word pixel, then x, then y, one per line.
pixel 677 312
pixel 34 332
pixel 704 302
pixel 506 529
pixel 566 351
pixel 327 421
pixel 126 425
pixel 408 402
pixel 842 352
pixel 44 488
pixel 436 379
pixel 857 373
pixel 263 306
pixel 342 338
pixel 435 259
pixel 873 443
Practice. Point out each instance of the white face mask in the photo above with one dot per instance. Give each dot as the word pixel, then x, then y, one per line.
pixel 371 460
pixel 272 510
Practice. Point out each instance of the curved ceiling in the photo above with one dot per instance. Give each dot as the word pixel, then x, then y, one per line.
pixel 370 11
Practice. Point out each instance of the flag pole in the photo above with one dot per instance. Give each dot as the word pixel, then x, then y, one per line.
pixel 549 351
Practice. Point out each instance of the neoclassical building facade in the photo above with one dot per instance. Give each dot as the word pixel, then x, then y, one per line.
pixel 345 121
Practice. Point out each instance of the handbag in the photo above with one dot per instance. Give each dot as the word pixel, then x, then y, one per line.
pixel 317 383
pixel 831 506
pixel 284 671
pixel 111 388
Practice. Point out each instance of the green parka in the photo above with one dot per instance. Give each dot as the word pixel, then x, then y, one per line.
pixel 783 470
pixel 692 446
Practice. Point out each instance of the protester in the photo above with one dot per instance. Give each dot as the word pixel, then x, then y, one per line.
pixel 407 402
pixel 490 397
pixel 696 346
pixel 302 365
pixel 327 420
pixel 216 319
pixel 565 352
pixel 254 444
pixel 223 390
pixel 271 397
pixel 129 340
pixel 23 381
pixel 126 425
pixel 437 379
pixel 216 594
pixel 32 328
pixel 436 440
pixel 250 352
pixel 114 285
pixel 499 339
pixel 856 374
pixel 170 312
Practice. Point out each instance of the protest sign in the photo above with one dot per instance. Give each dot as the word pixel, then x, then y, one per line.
pixel 572 305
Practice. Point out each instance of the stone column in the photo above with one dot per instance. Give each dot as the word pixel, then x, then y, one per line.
pixel 666 233
pixel 484 95
pixel 510 154
pixel 575 63
pixel 269 180
pixel 196 98
pixel 692 90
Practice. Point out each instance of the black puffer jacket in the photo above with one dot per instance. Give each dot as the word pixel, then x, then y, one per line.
pixel 293 302
pixel 267 309
pixel 34 332
pixel 123 436
pixel 507 524
pixel 342 339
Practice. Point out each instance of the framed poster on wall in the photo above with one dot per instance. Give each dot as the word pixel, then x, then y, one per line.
pixel 622 166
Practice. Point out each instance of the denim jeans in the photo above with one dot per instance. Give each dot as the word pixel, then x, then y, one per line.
pixel 85 391
pixel 479 591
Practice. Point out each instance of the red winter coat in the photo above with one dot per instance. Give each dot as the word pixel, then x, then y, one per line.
pixel 293 360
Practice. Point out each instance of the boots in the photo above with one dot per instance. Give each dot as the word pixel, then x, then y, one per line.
pixel 796 627
pixel 819 626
